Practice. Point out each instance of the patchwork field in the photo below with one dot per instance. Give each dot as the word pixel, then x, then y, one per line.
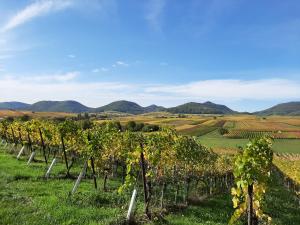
pixel 14 113
pixel 289 164
pixel 238 129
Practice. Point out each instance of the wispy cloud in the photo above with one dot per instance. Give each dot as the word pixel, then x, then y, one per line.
pixel 36 9
pixel 121 63
pixel 72 56
pixel 95 93
pixel 44 78
pixel 63 87
pixel 97 70
pixel 154 13
pixel 232 90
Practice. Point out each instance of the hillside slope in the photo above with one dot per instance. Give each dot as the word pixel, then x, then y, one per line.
pixel 122 106
pixel 289 108
pixel 201 108
pixel 58 106
pixel 13 105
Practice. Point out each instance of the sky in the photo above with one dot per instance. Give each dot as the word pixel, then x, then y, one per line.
pixel 244 54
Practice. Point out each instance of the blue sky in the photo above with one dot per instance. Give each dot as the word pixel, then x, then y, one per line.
pixel 244 54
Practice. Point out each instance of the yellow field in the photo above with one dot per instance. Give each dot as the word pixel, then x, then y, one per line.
pixel 13 113
pixel 290 165
pixel 191 124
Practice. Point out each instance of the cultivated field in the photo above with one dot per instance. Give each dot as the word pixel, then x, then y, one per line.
pixel 284 129
pixel 14 113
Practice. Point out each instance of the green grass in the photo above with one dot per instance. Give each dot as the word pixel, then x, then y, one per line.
pixel 279 203
pixel 215 140
pixel 27 198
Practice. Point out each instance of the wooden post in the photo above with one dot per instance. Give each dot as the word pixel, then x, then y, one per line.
pixel 14 140
pixel 65 154
pixel 94 174
pixel 43 146
pixel 250 204
pixel 29 141
pixel 144 181
pixel 20 136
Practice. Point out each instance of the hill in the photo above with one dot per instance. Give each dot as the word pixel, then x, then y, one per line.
pixel 201 108
pixel 117 106
pixel 13 105
pixel 58 106
pixel 154 108
pixel 289 108
pixel 122 106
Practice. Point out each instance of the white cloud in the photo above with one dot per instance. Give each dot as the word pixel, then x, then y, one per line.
pixel 72 56
pixel 60 87
pixel 121 63
pixel 45 78
pixel 154 12
pixel 232 90
pixel 97 70
pixel 36 9
pixel 95 93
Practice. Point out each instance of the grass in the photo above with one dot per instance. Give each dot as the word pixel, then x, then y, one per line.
pixel 279 203
pixel 27 198
pixel 215 140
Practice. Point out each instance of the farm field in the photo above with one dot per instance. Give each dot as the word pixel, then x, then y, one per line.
pixel 50 203
pixel 215 140
pixel 284 129
pixel 290 165
pixel 14 113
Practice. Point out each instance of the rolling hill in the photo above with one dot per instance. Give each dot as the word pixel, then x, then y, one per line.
pixel 58 106
pixel 289 108
pixel 128 107
pixel 13 105
pixel 201 108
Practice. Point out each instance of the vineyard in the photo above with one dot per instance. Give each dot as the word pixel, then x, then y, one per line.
pixel 163 165
pixel 289 164
pixel 140 176
pixel 248 134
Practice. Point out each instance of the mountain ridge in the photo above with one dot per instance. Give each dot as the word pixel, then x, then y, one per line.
pixel 288 108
